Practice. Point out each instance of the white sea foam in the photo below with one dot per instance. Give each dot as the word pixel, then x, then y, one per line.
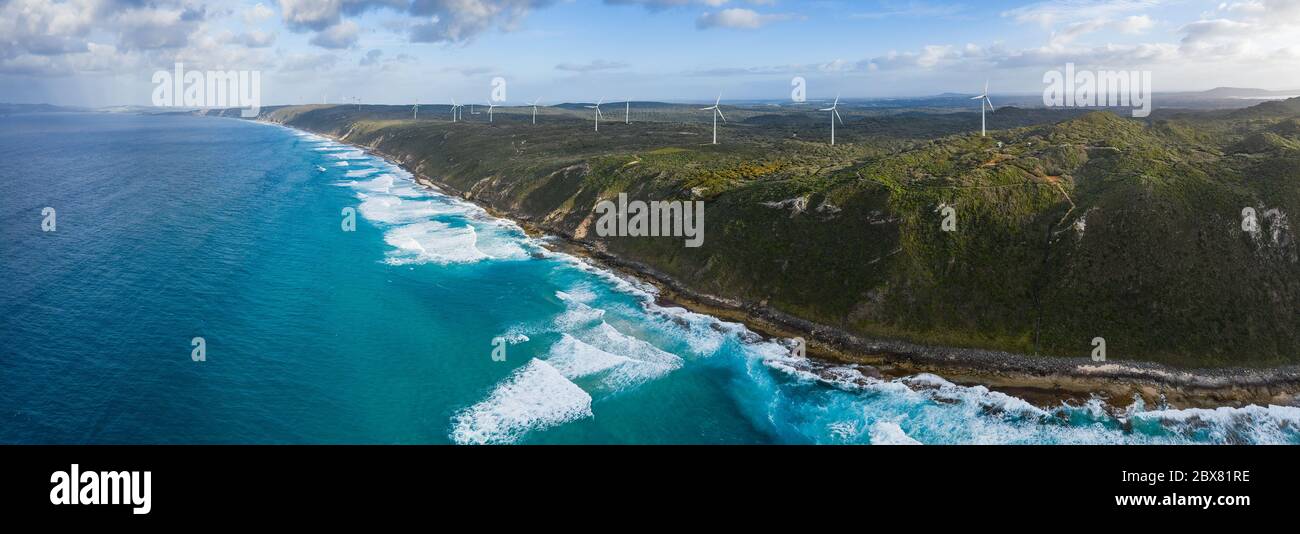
pixel 394 210
pixel 432 242
pixel 365 172
pixel 348 154
pixel 536 396
pixel 887 433
pixel 576 359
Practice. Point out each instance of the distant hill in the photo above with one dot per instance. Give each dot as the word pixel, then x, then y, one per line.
pixel 9 109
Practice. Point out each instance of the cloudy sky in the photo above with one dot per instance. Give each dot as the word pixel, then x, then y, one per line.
pixel 103 52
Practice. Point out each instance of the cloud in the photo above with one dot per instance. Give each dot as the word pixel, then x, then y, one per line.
pixel 736 18
pixel 1134 24
pixel 341 35
pixel 255 39
pixel 257 14
pixel 371 57
pixel 300 15
pixel 459 21
pixel 592 66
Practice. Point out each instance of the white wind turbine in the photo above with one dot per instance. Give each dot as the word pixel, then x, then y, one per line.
pixel 835 114
pixel 454 109
pixel 717 112
pixel 491 106
pixel 627 111
pixel 539 99
pixel 984 99
pixel 598 115
pixel 415 112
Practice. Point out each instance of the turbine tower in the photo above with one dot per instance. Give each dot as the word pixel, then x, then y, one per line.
pixel 598 115
pixel 984 100
pixel 415 112
pixel 717 112
pixel 491 106
pixel 627 111
pixel 835 114
pixel 535 109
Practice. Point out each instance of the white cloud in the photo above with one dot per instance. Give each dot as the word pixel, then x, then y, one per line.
pixel 736 18
pixel 257 14
pixel 1135 24
pixel 341 35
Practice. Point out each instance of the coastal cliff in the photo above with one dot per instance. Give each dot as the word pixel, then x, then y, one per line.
pixel 1087 226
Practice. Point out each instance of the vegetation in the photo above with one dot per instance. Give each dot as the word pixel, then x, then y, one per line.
pixel 1069 225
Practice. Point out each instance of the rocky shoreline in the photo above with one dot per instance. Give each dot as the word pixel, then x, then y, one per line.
pixel 1042 380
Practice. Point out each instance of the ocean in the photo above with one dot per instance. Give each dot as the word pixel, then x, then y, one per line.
pixel 430 322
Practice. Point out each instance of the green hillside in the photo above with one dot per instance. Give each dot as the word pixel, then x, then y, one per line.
pixel 1069 225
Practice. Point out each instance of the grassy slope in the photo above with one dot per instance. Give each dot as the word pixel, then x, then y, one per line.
pixel 1091 226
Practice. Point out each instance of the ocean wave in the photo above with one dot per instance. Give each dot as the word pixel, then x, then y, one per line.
pixel 433 242
pixel 534 397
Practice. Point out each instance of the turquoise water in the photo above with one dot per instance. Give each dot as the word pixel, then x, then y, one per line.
pixel 176 227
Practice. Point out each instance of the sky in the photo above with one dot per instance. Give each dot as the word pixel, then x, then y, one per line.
pixel 103 52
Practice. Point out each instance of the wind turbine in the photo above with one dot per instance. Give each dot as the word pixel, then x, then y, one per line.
pixel 491 106
pixel 415 112
pixel 539 99
pixel 984 99
pixel 835 114
pixel 597 108
pixel 717 112
pixel 627 111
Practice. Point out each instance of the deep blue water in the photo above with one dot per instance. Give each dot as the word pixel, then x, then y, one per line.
pixel 176 227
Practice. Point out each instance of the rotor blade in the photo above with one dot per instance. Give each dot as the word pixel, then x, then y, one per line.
pixel 719 110
pixel 977 97
pixel 986 99
pixel 718 101
pixel 837 115
pixel 986 87
pixel 827 109
pixel 837 101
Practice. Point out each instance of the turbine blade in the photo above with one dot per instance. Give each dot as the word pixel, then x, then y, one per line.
pixel 977 97
pixel 837 101
pixel 837 115
pixel 718 101
pixel 719 110
pixel 990 103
